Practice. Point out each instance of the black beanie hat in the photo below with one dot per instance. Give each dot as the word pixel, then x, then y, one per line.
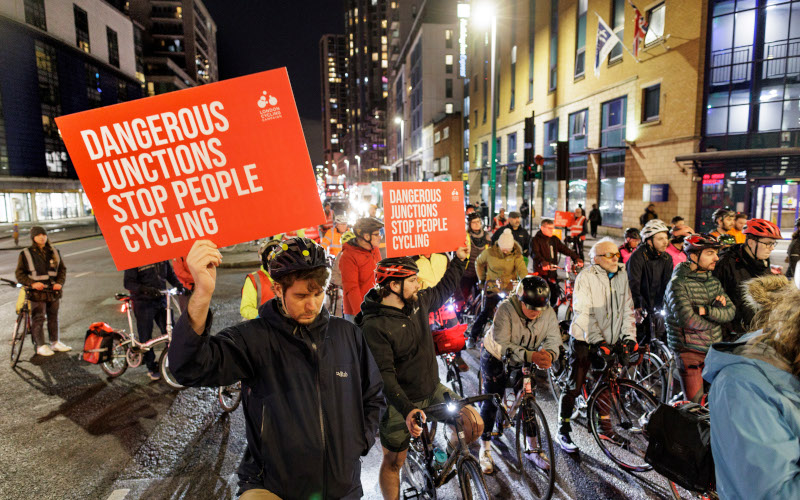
pixel 36 231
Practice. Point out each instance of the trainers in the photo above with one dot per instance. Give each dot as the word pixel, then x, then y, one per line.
pixel 44 350
pixel 566 444
pixel 154 376
pixel 487 464
pixel 539 459
pixel 460 363
pixel 472 343
pixel 60 347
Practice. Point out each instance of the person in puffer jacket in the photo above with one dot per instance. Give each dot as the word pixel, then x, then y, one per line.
pixel 603 310
pixel 697 307
pixel 754 404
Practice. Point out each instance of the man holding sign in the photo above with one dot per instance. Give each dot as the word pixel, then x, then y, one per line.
pixel 394 317
pixel 311 391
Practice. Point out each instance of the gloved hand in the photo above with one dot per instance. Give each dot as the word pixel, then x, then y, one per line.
pixel 630 347
pixel 541 359
pixel 149 291
pixel 604 351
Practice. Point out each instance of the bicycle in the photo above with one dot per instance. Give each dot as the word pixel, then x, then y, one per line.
pixel 657 370
pixel 449 348
pixel 334 300
pixel 617 409
pixel 426 468
pixel 22 325
pixel 230 396
pixel 520 411
pixel 503 288
pixel 127 351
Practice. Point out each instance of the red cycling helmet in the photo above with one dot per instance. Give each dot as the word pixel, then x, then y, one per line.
pixel 395 268
pixel 762 228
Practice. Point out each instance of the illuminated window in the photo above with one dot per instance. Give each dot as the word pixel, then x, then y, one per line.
pixel 81 28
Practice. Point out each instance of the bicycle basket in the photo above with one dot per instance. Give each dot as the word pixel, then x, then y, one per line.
pixel 449 339
pixel 680 445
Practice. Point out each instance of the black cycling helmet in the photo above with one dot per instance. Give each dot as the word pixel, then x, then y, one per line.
pixel 366 225
pixel 720 213
pixel 471 217
pixel 632 232
pixel 265 250
pixel 395 268
pixel 534 292
pixel 696 243
pixel 296 254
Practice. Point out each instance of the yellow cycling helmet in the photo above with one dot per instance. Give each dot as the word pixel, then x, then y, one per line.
pixel 347 236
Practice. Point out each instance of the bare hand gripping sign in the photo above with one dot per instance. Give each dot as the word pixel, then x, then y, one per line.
pixel 423 217
pixel 226 161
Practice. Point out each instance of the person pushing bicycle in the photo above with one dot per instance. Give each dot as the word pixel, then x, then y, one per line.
pixel 603 309
pixel 311 391
pixel 40 267
pixel 526 325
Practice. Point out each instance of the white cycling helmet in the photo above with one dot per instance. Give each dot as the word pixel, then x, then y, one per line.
pixel 340 219
pixel 652 228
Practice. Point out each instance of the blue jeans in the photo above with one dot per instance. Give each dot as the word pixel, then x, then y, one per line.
pixel 146 313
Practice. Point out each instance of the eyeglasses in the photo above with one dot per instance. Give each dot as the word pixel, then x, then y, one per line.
pixel 771 244
pixel 610 255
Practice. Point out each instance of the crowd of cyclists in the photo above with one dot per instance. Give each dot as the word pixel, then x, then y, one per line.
pixel 336 345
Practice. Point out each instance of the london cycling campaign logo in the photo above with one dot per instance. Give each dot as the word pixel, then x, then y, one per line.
pixel 269 109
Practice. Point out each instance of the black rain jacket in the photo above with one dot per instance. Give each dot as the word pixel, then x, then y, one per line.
pixel 311 397
pixel 402 343
pixel 733 269
pixel 648 275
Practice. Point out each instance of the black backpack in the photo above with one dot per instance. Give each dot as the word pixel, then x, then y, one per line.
pixel 680 445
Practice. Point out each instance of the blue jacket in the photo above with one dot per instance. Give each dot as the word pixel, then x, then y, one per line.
pixel 755 423
pixel 311 397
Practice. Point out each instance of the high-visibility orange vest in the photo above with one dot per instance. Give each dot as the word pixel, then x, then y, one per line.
pixel 332 241
pixel 577 227
pixel 263 286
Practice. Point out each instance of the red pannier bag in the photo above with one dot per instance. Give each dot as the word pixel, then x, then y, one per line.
pixel 98 342
pixel 449 339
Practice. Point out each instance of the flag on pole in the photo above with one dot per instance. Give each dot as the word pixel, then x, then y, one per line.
pixel 640 26
pixel 606 41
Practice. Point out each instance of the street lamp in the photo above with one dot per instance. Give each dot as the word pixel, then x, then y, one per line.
pixel 358 170
pixel 402 145
pixel 347 166
pixel 483 13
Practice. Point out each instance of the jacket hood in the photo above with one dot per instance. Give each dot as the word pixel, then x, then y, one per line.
pixel 596 269
pixel 286 325
pixel 353 245
pixel 749 352
pixel 372 307
pixel 760 291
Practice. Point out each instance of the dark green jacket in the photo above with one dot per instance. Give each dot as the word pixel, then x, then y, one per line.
pixel 686 292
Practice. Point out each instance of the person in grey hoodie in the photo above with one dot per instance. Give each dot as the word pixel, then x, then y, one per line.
pixel 754 403
pixel 526 328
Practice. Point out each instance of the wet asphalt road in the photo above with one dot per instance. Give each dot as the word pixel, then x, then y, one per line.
pixel 70 432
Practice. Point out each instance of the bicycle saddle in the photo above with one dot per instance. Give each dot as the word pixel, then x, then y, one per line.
pixel 124 297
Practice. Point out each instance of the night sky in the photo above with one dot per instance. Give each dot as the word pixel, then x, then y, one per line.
pixel 257 35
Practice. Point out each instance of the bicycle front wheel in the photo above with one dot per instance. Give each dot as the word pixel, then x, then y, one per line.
pixel 557 376
pixel 415 481
pixel 618 419
pixel 531 421
pixel 454 377
pixel 230 396
pixel 18 337
pixel 163 364
pixel 471 480
pixel 118 363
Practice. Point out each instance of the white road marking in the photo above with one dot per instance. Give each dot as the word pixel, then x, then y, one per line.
pixel 118 494
pixel 84 251
pixel 82 274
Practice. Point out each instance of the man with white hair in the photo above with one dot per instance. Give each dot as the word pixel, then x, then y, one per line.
pixel 603 309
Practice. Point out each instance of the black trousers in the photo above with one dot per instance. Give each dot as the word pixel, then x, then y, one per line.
pixel 578 364
pixel 593 226
pixel 38 310
pixel 146 314
pixel 489 305
pixel 495 381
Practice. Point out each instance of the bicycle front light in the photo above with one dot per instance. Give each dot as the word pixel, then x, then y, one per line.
pixel 451 407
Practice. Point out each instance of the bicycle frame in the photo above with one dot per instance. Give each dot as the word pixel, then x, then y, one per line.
pixel 131 339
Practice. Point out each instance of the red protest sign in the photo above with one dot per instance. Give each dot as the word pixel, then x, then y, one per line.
pixel 423 217
pixel 226 161
pixel 563 219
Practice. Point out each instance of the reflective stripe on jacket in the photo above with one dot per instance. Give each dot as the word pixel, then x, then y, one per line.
pixel 332 241
pixel 257 290
pixel 578 228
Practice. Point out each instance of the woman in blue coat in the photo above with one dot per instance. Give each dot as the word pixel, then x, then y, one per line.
pixel 755 407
